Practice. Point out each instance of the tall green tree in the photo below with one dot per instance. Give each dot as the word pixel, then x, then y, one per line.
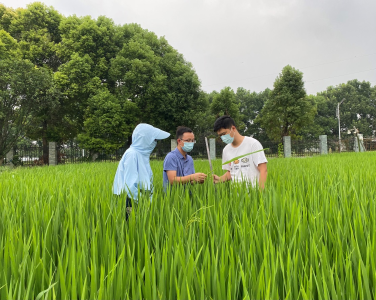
pixel 36 29
pixel 150 73
pixel 251 104
pixel 21 85
pixel 98 39
pixel 288 109
pixel 322 122
pixel 85 57
pixel 358 109
pixel 46 120
pixel 225 103
pixel 76 84
pixel 7 15
pixel 108 122
pixel 8 46
pixel 204 118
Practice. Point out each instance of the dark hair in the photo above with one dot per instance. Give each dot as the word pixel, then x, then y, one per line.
pixel 181 130
pixel 223 122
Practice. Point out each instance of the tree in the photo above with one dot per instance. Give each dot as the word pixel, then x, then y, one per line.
pixel 21 84
pixel 251 105
pixel 225 103
pixel 6 17
pixel 98 39
pixel 76 84
pixel 322 122
pixel 34 35
pixel 46 119
pixel 204 118
pixel 8 46
pixel 108 122
pixel 150 73
pixel 85 57
pixel 358 109
pixel 288 110
pixel 36 29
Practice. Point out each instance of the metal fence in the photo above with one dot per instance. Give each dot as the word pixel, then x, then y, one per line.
pixel 347 145
pixel 369 144
pixel 28 156
pixel 67 154
pixel 305 148
pixel 273 149
pixel 72 153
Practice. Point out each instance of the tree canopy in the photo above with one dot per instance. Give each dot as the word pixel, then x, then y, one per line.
pixel 89 80
pixel 288 109
pixel 96 68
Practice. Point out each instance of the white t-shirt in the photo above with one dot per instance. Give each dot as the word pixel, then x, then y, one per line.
pixel 244 169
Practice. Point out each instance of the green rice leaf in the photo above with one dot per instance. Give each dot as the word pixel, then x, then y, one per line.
pixel 40 295
pixel 231 160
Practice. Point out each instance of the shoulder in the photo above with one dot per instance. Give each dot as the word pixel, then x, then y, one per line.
pixel 129 155
pixel 170 155
pixel 251 142
pixel 227 148
pixel 170 158
pixel 128 161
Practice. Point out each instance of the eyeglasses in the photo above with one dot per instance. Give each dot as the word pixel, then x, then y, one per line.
pixel 189 141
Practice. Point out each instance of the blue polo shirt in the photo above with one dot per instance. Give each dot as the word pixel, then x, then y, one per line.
pixel 175 161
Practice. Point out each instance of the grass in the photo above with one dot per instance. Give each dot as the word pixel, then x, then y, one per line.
pixel 310 235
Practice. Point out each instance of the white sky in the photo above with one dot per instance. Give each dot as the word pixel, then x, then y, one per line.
pixel 246 44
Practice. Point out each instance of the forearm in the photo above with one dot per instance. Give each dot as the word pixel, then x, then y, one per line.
pixel 262 179
pixel 182 179
pixel 225 177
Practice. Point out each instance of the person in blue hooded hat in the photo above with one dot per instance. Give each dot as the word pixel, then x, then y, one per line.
pixel 134 172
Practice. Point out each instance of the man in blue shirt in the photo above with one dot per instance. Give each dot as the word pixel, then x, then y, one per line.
pixel 178 165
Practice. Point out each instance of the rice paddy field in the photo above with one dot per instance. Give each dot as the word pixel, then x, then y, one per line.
pixel 311 234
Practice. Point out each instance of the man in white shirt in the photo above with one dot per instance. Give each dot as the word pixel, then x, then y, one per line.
pixel 251 168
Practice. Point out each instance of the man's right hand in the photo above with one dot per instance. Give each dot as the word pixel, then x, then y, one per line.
pixel 199 177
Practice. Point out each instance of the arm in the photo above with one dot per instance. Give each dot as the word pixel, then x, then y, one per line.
pixel 126 177
pixel 196 177
pixel 223 178
pixel 227 176
pixel 263 174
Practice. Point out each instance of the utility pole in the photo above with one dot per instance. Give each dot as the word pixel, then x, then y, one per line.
pixel 339 124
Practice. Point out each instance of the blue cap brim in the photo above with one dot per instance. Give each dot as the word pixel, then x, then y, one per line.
pixel 161 135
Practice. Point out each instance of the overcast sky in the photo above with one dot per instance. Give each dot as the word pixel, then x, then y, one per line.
pixel 246 44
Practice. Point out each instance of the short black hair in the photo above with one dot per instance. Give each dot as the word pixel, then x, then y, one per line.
pixel 225 122
pixel 181 130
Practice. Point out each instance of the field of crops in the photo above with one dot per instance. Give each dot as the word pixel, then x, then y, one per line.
pixel 310 235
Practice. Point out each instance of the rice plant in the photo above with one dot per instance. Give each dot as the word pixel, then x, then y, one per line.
pixel 309 235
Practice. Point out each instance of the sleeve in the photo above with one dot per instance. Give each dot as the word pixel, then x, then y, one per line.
pixel 191 162
pixel 170 163
pixel 226 167
pixel 126 178
pixel 259 157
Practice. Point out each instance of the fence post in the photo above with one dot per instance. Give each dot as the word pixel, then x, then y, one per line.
pixel 9 157
pixel 174 144
pixel 212 148
pixel 323 144
pixel 52 154
pixel 287 146
pixel 361 144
